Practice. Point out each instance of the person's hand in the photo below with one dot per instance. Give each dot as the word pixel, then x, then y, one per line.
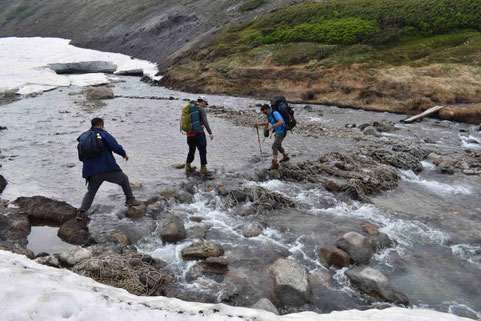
pixel 270 127
pixel 211 136
pixel 126 157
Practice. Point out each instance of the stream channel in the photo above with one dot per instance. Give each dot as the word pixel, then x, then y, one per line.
pixel 434 218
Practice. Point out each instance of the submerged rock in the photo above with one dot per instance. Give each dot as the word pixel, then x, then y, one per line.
pixel 380 241
pixel 357 246
pixel 42 209
pixel 252 230
pixel 136 211
pixel 201 250
pixel 291 283
pixel 94 93
pixel 374 283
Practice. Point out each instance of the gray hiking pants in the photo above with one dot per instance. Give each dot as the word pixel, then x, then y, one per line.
pixel 116 177
pixel 277 145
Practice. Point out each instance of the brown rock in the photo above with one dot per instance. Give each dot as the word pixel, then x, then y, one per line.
pixel 42 209
pixel 94 93
pixel 122 238
pixel 136 211
pixel 197 219
pixel 334 256
pixel 331 185
pixel 168 194
pixel 371 229
pixel 75 232
pixel 437 161
pixel 201 250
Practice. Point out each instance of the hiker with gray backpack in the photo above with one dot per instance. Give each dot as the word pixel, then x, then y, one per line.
pixel 95 149
pixel 280 118
pixel 192 122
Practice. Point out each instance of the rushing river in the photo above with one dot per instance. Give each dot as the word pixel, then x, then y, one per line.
pixel 435 262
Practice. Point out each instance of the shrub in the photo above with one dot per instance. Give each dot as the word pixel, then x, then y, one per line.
pixel 251 5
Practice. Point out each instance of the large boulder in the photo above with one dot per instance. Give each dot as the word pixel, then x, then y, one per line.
pixel 291 282
pixel 334 256
pixel 173 230
pixel 374 283
pixel 45 210
pixel 3 183
pixel 357 246
pixel 201 250
pixel 94 93
pixel 75 232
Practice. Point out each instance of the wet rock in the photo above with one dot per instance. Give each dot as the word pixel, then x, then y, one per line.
pixel 196 219
pixel 239 196
pixel 178 165
pixel 429 141
pixel 49 261
pixel 374 283
pixel 3 183
pixel 201 250
pixel 122 238
pixel 432 156
pixel 136 211
pixel 370 229
pixel 173 230
pixel 363 126
pixel 350 125
pixel 222 191
pixel 168 194
pixel 217 262
pixel 198 232
pixel 291 283
pixel 334 257
pixel 446 168
pixel 14 231
pixel 75 232
pixel 438 161
pixel 472 141
pixel 94 93
pixel 380 241
pixel 332 185
pixel 357 246
pixel 73 257
pixel 265 304
pixel 384 126
pixel 42 209
pixel 212 266
pixel 184 197
pixel 252 230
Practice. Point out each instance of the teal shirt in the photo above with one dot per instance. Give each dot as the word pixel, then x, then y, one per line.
pixel 273 118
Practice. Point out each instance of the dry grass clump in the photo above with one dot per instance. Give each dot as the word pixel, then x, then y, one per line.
pixel 468 114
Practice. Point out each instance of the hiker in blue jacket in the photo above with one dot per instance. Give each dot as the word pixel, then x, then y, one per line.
pixel 102 168
pixel 275 122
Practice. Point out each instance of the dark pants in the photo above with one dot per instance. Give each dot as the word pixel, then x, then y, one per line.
pixel 116 177
pixel 277 145
pixel 200 142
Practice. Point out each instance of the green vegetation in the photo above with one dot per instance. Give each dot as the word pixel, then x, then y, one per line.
pixel 251 5
pixel 361 31
pixel 23 11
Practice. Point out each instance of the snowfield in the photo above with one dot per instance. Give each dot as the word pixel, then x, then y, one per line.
pixel 24 65
pixel 31 291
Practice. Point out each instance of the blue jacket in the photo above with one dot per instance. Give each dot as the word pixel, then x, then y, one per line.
pixel 106 161
pixel 273 118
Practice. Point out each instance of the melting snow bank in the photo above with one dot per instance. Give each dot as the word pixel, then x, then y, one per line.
pixel 31 65
pixel 31 291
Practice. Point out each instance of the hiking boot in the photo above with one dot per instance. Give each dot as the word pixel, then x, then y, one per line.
pixel 284 159
pixel 274 164
pixel 132 202
pixel 189 168
pixel 81 216
pixel 204 171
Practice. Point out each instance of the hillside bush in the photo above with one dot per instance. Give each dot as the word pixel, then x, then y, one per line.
pixel 251 5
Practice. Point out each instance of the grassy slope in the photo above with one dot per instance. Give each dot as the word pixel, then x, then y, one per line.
pixel 433 44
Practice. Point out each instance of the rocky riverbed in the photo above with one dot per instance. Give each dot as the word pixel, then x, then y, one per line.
pixel 368 213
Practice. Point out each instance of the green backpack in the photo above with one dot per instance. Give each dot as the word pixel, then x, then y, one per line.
pixel 185 124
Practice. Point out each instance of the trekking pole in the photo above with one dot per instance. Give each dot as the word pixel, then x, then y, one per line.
pixel 259 140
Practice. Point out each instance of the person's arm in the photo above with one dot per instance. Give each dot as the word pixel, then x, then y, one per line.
pixel 113 145
pixel 262 124
pixel 280 122
pixel 203 119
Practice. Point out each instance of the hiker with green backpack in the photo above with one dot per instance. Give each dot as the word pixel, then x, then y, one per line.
pixel 192 122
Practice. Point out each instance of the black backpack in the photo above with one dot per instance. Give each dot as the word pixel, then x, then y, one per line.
pixel 90 144
pixel 280 104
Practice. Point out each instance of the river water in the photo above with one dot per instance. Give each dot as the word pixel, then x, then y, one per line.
pixel 434 218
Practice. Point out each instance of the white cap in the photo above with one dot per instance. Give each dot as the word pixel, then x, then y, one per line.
pixel 202 98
